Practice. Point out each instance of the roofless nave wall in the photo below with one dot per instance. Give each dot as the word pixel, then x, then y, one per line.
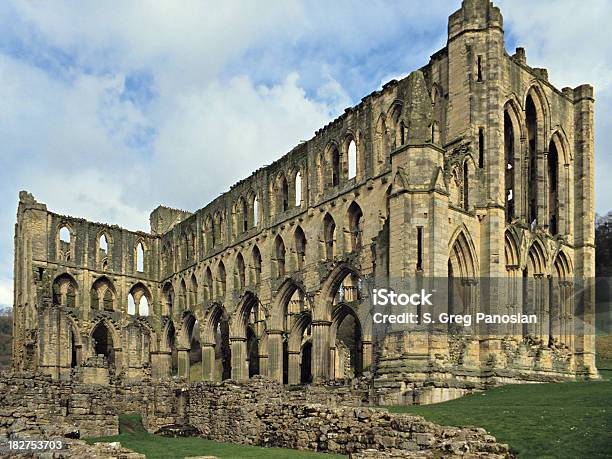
pixel 473 166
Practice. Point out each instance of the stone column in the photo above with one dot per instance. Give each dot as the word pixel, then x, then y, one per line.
pixel 294 367
pixel 208 361
pixel 320 350
pixel 183 362
pixel 275 355
pixel 333 356
pixel 367 355
pixel 240 371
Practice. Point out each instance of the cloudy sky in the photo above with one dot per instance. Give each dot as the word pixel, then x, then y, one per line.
pixel 108 109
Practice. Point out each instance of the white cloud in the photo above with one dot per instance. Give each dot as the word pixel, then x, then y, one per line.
pixel 571 40
pixel 207 119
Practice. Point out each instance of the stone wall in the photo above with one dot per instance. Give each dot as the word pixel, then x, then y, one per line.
pixel 32 405
pixel 257 412
pixel 260 412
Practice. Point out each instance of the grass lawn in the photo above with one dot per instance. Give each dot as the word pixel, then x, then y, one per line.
pixel 556 420
pixel 132 435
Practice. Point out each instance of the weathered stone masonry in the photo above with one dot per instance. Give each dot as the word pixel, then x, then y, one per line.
pixel 472 166
pixel 256 412
pixel 259 412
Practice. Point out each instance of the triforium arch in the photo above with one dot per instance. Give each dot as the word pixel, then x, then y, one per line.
pixel 103 295
pixel 216 345
pixel 65 291
pixel 143 300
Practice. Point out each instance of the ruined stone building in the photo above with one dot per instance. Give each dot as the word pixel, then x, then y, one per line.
pixel 474 166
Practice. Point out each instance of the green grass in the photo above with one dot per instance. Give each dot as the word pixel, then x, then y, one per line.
pixel 132 435
pixel 556 420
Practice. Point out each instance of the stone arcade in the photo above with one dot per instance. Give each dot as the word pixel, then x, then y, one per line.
pixel 473 166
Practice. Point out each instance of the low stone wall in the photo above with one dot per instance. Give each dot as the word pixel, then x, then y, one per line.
pixel 257 412
pixel 35 405
pixel 260 412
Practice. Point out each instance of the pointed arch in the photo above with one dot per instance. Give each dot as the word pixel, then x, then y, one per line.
pixel 511 250
pixel 182 296
pixel 300 246
pixel 346 337
pixel 194 293
pixel 217 333
pixel 255 265
pixel 381 144
pixel 103 294
pixel 298 188
pixel 398 128
pixel 513 132
pixel 562 266
pixel 329 237
pixel 279 256
pixel 65 290
pixel 142 298
pixel 240 272
pixel 344 284
pixel 536 122
pixel 209 286
pixel 355 227
pixel 221 279
pixel 104 340
pixel 139 256
pixel 65 242
pixel 536 259
pixel 462 255
pixel 168 299
pixel 351 156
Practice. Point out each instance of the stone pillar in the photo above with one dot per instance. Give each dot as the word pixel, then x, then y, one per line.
pixel 208 361
pixel 294 367
pixel 333 365
pixel 275 355
pixel 183 362
pixel 263 364
pixel 367 355
pixel 240 370
pixel 320 350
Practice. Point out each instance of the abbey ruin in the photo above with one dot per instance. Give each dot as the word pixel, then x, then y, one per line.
pixel 474 166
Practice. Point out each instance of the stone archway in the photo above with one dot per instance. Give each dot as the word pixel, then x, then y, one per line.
pixel 346 344
pixel 341 289
pixel 247 328
pixel 216 348
pixel 189 348
pixel 102 343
